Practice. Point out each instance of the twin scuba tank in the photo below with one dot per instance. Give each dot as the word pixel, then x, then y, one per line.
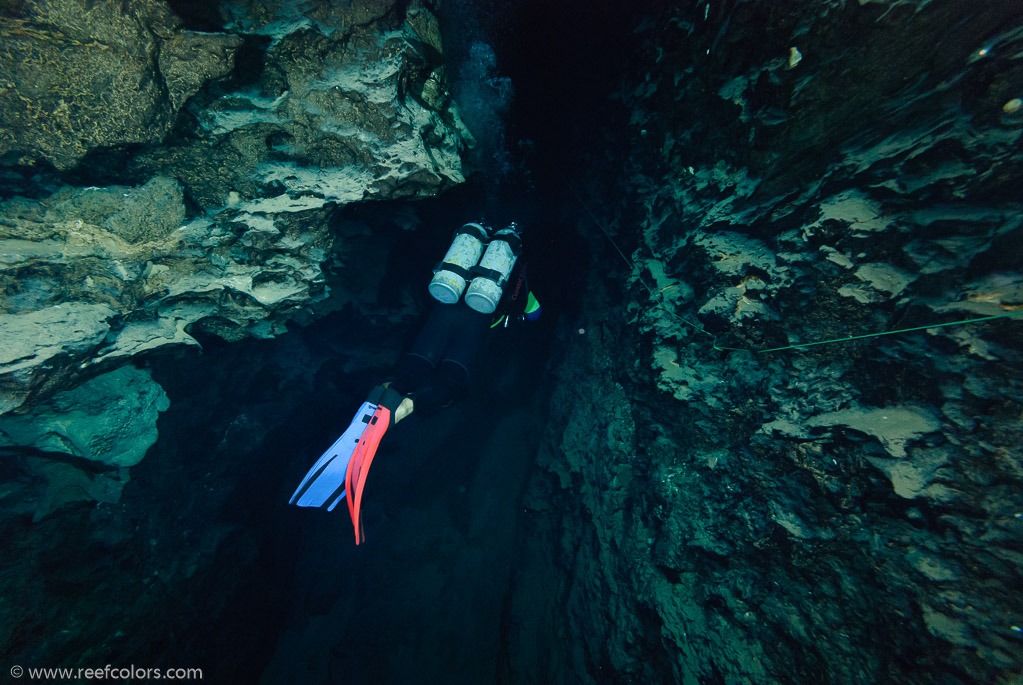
pixel 481 260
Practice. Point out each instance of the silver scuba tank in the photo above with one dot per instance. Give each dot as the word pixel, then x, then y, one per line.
pixel 453 272
pixel 491 275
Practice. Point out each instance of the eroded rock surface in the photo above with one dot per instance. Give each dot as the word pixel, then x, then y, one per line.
pixel 110 419
pixel 99 275
pixel 76 75
pixel 214 181
pixel 847 512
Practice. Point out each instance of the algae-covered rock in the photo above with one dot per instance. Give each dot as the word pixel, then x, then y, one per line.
pixel 99 274
pixel 81 442
pixel 110 419
pixel 64 483
pixel 893 426
pixel 802 194
pixel 42 339
pixel 76 75
pixel 351 104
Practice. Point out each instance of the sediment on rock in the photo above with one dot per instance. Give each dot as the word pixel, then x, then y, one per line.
pixel 833 512
pixel 214 194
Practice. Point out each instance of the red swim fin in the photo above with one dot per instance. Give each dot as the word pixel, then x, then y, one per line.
pixel 358 467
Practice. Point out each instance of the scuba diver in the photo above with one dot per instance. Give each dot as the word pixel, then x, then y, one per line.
pixel 486 267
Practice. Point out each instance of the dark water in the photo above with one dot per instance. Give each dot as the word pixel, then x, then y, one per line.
pixel 571 519
pixel 440 509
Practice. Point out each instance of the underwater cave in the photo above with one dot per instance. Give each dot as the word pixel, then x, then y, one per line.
pixel 754 417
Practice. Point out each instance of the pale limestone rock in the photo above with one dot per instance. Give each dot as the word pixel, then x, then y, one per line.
pixel 134 278
pixel 80 75
pixel 892 426
pixel 39 339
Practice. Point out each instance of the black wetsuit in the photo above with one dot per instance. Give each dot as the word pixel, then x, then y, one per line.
pixel 439 368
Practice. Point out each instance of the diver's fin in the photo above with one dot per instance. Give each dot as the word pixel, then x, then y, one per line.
pixel 358 466
pixel 324 484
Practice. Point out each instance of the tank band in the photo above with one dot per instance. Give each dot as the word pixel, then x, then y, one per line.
pixel 455 268
pixel 489 274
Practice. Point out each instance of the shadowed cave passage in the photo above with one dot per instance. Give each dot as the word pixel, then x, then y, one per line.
pixel 203 274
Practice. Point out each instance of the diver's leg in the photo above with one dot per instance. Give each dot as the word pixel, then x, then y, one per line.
pixel 436 332
pixel 415 372
pixel 455 371
pixel 451 374
pixel 419 364
pixel 458 360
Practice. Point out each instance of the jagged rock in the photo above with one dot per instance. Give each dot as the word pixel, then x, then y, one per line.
pixel 278 18
pixel 880 282
pixel 68 332
pixel 894 427
pixel 352 104
pixel 910 469
pixel 110 419
pixel 101 274
pixel 795 176
pixel 913 476
pixel 64 483
pixel 338 117
pixel 77 75
pixel 80 444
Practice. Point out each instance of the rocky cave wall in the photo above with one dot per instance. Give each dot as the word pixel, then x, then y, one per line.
pixel 786 173
pixel 783 173
pixel 163 182
pixel 173 184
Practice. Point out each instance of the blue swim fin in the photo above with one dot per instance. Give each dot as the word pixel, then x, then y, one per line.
pixel 324 485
